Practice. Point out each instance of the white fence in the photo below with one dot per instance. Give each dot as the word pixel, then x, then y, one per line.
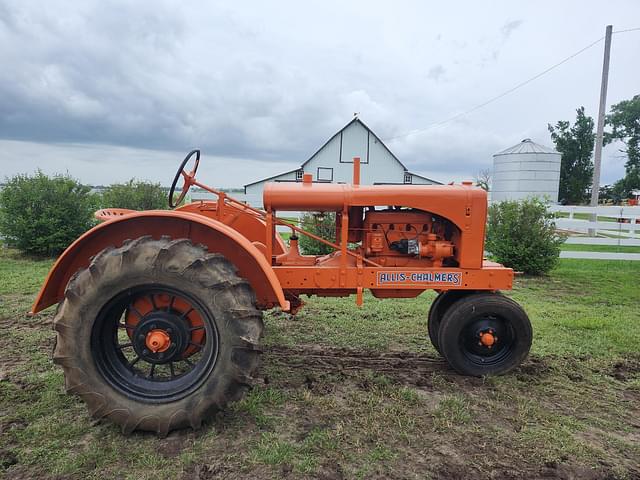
pixel 620 228
pixel 620 223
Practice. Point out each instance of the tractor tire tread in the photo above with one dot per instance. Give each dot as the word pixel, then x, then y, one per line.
pixel 464 308
pixel 438 309
pixel 218 281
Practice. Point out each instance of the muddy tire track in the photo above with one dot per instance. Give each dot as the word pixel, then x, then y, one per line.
pixel 404 367
pixel 38 322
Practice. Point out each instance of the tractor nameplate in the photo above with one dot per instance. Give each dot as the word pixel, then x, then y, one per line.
pixel 418 278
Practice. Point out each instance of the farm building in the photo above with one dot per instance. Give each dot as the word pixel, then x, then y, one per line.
pixel 333 162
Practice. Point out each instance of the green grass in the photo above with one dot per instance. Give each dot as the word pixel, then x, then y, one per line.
pixel 586 216
pixel 584 307
pixel 574 247
pixel 580 302
pixel 574 403
pixel 20 279
pixel 291 220
pixel 452 410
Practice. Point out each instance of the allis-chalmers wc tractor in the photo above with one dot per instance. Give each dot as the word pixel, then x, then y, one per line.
pixel 159 312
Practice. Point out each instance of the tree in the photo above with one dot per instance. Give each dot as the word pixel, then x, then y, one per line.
pixel 483 179
pixel 608 194
pixel 624 120
pixel 42 215
pixel 321 224
pixel 135 195
pixel 575 143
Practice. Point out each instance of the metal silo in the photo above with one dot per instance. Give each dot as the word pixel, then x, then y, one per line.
pixel 526 170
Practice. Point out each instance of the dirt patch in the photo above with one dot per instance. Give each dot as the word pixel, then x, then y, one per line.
pixel 174 444
pixel 408 368
pixel 403 367
pixel 19 472
pixel 632 395
pixel 553 470
pixel 534 366
pixel 626 370
pixel 356 399
pixel 206 472
pixel 331 472
pixel 7 458
pixel 13 356
pixel 339 372
pixel 12 425
pixel 41 322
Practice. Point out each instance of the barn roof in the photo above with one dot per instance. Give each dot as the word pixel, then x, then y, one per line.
pixel 426 178
pixel 371 132
pixel 271 177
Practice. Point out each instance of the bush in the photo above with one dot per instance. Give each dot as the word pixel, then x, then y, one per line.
pixel 42 215
pixel 522 235
pixel 322 225
pixel 135 195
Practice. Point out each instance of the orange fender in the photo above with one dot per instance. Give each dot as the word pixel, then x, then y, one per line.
pixel 218 237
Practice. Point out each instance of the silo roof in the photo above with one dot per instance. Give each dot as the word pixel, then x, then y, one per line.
pixel 527 146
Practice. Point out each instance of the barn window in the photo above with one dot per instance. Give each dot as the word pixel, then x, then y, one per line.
pixel 408 178
pixel 325 174
pixel 299 174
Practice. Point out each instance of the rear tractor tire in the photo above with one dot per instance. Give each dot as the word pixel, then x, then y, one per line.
pixel 485 334
pixel 157 335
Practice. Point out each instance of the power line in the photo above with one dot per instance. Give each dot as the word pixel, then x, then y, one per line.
pixel 507 92
pixel 627 30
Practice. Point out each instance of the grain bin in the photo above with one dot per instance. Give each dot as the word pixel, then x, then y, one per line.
pixel 527 169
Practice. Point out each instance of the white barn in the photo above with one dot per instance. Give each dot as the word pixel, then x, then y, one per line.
pixel 333 162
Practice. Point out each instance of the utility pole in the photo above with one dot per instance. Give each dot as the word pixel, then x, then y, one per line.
pixel 597 159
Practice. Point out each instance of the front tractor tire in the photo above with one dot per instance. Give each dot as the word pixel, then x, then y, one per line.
pixel 157 335
pixel 438 308
pixel 484 333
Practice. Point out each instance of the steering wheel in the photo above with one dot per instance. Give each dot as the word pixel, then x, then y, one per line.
pixel 189 178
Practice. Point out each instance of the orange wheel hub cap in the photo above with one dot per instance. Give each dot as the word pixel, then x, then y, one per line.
pixel 158 340
pixel 487 339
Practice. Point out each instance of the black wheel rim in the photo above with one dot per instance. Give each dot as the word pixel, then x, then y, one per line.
pixel 122 347
pixel 498 329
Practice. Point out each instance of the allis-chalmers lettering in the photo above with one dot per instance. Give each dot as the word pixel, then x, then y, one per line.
pixel 419 278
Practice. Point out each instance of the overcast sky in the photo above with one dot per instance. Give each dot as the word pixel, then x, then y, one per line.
pixel 110 90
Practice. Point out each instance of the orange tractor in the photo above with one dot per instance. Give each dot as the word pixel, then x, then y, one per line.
pixel 159 312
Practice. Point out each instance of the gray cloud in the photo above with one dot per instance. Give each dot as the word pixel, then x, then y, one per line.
pixel 436 72
pixel 509 27
pixel 268 84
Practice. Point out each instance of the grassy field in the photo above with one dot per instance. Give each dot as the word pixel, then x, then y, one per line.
pixel 360 393
pixel 574 247
pixel 586 216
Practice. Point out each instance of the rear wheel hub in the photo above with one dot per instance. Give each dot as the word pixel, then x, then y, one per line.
pixel 161 337
pixel 154 343
pixel 158 341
